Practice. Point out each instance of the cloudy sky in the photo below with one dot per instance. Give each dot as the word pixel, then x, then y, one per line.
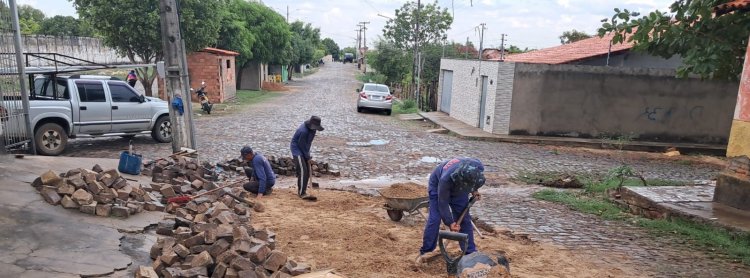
pixel 527 23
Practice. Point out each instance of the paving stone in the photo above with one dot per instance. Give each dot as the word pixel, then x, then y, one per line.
pixel 89 208
pixel 68 203
pixel 146 272
pixel 120 211
pixel 50 195
pixel 103 210
pixel 276 259
pixel 50 178
pixel 202 260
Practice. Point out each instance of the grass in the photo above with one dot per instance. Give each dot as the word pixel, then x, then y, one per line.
pixel 405 107
pixel 242 99
pixel 594 200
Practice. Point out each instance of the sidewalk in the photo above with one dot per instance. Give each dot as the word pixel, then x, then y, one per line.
pixel 465 131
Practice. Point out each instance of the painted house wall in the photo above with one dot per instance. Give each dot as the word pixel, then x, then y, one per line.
pixel 631 59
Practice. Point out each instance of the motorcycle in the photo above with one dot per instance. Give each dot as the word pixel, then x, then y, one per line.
pixel 203 97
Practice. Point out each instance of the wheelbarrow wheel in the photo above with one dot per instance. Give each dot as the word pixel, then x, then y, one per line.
pixel 395 214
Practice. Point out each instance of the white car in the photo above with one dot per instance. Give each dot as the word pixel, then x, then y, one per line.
pixel 375 96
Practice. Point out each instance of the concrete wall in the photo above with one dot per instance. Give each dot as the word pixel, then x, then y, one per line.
pixel 739 142
pixel 650 104
pixel 91 49
pixel 251 76
pixel 212 68
pixel 467 89
pixel 633 60
pixel 503 98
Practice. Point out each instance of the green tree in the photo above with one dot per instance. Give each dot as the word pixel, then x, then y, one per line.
pixel 389 60
pixel 305 40
pixel 235 33
pixel 349 49
pixel 573 36
pixel 133 27
pixel 434 22
pixel 65 26
pixel 30 19
pixel 710 46
pixel 331 48
pixel 512 49
pixel 272 34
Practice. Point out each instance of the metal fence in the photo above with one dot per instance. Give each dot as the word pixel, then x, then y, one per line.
pixel 15 133
pixel 428 97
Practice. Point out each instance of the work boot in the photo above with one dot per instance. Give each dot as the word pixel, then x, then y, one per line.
pixel 308 197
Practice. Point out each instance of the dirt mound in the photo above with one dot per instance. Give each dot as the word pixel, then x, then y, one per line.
pixel 358 240
pixel 273 86
pixel 407 190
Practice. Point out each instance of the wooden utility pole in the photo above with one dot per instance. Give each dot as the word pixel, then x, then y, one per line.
pixel 364 44
pixel 416 74
pixel 481 39
pixel 176 78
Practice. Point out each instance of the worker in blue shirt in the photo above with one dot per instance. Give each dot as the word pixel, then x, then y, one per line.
pixel 261 176
pixel 300 145
pixel 449 188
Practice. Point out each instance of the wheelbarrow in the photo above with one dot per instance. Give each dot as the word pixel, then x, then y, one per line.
pixel 397 206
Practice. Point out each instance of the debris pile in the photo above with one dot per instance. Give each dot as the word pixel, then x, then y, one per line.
pixel 211 236
pixel 97 192
pixel 284 166
pixel 407 190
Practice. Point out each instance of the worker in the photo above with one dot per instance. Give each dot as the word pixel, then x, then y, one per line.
pixel 300 145
pixel 261 177
pixel 448 190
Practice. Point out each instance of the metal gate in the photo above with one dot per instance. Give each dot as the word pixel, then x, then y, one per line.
pixel 15 131
pixel 447 89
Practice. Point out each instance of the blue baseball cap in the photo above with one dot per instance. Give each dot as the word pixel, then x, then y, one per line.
pixel 245 151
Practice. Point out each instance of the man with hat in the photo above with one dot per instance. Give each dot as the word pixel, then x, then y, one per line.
pixel 449 188
pixel 261 176
pixel 301 143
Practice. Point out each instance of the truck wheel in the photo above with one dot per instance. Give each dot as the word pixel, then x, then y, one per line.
pixel 50 139
pixel 162 131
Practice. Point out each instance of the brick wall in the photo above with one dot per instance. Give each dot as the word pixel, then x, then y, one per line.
pixel 212 69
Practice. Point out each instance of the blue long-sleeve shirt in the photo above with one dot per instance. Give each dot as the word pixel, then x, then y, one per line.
pixel 263 172
pixel 442 186
pixel 302 141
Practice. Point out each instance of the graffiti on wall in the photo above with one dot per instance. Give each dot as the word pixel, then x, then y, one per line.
pixel 662 114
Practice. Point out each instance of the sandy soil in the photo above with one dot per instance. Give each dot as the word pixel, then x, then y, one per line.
pixel 404 190
pixel 352 234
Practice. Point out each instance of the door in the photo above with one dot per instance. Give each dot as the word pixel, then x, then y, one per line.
pixel 129 114
pixel 445 96
pixel 94 111
pixel 483 103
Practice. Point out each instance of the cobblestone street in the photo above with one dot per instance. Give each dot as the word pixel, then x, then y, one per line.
pixel 330 93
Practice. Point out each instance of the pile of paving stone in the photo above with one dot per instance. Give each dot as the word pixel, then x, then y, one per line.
pixel 96 192
pixel 284 166
pixel 211 236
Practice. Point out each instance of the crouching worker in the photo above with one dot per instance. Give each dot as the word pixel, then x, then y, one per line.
pixel 449 188
pixel 261 175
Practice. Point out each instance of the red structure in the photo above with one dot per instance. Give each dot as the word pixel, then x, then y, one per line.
pixel 216 67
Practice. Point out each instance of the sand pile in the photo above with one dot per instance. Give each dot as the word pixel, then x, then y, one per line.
pixel 407 190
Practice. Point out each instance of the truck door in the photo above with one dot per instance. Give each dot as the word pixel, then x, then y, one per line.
pixel 94 111
pixel 128 112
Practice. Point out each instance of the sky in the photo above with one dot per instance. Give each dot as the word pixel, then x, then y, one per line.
pixel 527 23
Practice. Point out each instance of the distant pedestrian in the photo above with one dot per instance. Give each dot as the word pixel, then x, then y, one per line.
pixel 301 144
pixel 132 78
pixel 261 178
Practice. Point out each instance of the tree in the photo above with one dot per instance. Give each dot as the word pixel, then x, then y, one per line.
pixel 331 48
pixel 132 27
pixel 512 49
pixel 235 33
pixel 389 60
pixel 272 34
pixel 65 26
pixel 349 49
pixel 30 19
pixel 305 41
pixel 710 46
pixel 573 36
pixel 434 22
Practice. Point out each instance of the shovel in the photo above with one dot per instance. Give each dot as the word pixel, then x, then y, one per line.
pixel 314 184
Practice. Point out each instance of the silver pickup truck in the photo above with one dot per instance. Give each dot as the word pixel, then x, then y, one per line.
pixel 90 106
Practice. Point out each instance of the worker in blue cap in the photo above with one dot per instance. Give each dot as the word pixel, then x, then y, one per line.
pixel 449 188
pixel 261 174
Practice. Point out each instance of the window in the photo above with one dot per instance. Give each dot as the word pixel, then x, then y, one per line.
pixel 376 88
pixel 122 93
pixel 229 65
pixel 45 90
pixel 91 92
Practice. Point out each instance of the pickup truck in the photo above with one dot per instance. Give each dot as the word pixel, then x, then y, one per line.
pixel 90 106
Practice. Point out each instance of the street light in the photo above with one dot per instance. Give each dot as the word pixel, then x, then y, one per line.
pixel 388 17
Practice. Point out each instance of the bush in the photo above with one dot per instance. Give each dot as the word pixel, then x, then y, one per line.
pixel 405 107
pixel 372 77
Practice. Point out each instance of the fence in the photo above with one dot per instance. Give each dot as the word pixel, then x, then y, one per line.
pixel 428 94
pixel 14 130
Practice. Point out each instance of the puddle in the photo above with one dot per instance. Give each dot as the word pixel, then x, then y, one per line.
pixel 430 159
pixel 376 142
pixel 138 246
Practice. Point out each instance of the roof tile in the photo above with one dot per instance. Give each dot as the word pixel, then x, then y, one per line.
pixel 571 52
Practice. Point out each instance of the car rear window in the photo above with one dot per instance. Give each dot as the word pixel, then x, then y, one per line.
pixel 377 88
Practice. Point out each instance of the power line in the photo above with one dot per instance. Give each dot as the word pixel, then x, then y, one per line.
pixel 371 6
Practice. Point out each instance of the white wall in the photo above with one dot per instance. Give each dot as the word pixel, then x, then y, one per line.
pixel 503 98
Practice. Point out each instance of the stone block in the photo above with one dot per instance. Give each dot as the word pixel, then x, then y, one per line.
pixel 181 250
pixel 120 211
pixel 194 272
pixel 82 197
pixel 89 177
pixel 146 272
pixel 167 191
pixel 165 227
pixel 197 239
pixel 95 187
pixel 241 246
pixel 219 270
pixel 227 257
pixel 733 190
pixel 37 183
pixel 275 260
pixel 107 180
pixel 66 189
pixel 197 184
pixel 103 210
pixel 50 195
pixel 199 248
pixel 219 247
pixel 77 183
pixel 89 208
pixel 68 203
pixel 169 257
pixel 50 178
pixel 258 253
pixel 119 183
pixel 153 206
pixel 231 273
pixel 240 263
pixel 97 168
pixel 113 173
pixel 203 259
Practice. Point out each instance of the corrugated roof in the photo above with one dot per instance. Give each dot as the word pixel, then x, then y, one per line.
pixel 731 6
pixel 571 52
pixel 220 51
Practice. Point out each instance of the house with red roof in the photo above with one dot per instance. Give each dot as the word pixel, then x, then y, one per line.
pixel 586 89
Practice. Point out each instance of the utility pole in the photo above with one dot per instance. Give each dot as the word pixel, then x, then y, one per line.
pixel 287 13
pixel 364 44
pixel 176 75
pixel 502 47
pixel 359 45
pixel 481 39
pixel 416 74
pixel 467 48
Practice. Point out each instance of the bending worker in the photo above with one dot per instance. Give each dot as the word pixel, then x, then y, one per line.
pixel 449 188
pixel 261 177
pixel 300 145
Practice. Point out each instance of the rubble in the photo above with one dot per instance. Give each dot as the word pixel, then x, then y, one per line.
pixel 97 192
pixel 284 166
pixel 206 237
